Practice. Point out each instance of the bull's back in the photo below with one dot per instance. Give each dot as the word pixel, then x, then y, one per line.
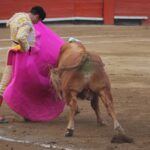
pixel 71 53
pixel 90 73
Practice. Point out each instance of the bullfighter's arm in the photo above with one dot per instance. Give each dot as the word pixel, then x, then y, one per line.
pixel 22 36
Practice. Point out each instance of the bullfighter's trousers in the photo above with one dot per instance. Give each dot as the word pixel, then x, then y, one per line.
pixel 6 77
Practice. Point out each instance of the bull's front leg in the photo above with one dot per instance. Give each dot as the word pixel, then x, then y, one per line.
pixel 72 113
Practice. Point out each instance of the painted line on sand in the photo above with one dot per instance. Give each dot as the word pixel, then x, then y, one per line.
pixel 53 146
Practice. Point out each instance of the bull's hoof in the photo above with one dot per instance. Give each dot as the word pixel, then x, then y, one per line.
pixel 101 124
pixel 121 138
pixel 69 133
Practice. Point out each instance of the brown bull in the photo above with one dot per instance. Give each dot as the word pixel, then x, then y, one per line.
pixel 80 75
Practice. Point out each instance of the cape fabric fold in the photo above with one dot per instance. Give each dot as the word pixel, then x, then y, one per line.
pixel 30 93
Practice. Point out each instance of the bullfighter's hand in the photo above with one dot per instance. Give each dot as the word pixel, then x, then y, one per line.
pixel 16 48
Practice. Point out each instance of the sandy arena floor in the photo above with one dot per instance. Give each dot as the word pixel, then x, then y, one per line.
pixel 126 54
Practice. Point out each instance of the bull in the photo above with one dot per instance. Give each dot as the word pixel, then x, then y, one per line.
pixel 80 74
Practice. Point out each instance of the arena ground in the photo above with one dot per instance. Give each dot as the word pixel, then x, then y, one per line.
pixel 126 54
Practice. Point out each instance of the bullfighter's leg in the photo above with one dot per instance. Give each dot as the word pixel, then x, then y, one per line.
pixel 95 106
pixel 106 98
pixel 73 109
pixel 3 84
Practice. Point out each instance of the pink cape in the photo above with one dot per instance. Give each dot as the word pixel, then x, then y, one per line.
pixel 30 92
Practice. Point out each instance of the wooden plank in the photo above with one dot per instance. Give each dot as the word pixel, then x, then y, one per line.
pixel 109 9
pixel 88 8
pixel 133 8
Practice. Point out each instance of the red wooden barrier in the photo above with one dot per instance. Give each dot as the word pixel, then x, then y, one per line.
pixel 109 8
pixel 88 8
pixel 56 8
pixel 79 8
pixel 133 8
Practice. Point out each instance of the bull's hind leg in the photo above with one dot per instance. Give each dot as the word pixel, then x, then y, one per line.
pixel 120 136
pixel 72 113
pixel 106 98
pixel 95 106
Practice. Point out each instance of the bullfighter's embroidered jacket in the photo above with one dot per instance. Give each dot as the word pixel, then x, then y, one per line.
pixel 22 30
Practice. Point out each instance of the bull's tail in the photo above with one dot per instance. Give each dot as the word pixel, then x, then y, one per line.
pixel 56 73
pixel 55 79
pixel 85 57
